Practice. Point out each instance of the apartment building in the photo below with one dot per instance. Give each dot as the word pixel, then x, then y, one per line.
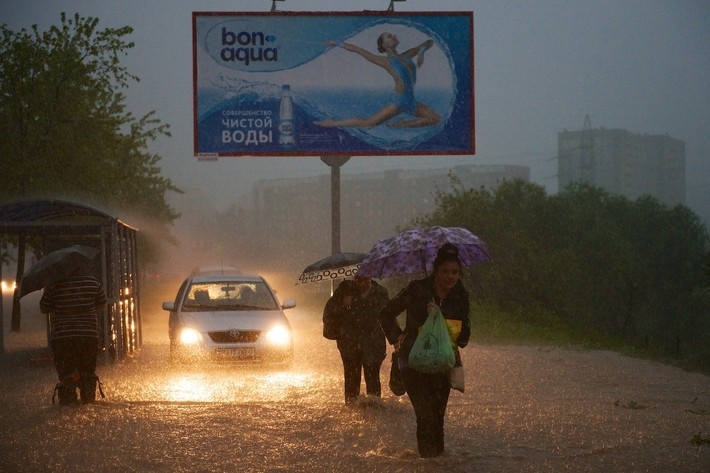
pixel 623 163
pixel 372 205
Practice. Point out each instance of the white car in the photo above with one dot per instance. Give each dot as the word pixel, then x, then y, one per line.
pixel 229 317
pixel 214 270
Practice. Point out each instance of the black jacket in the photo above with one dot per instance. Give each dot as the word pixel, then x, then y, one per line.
pixel 357 326
pixel 414 299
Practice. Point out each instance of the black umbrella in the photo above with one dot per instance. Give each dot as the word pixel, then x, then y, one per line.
pixel 56 266
pixel 336 266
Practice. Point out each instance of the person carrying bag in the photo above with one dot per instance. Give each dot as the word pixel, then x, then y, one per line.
pixel 440 293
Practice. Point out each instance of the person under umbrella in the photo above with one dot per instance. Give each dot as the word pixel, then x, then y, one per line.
pixel 350 317
pixel 73 304
pixel 428 392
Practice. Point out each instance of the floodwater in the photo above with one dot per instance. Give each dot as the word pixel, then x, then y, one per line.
pixel 526 409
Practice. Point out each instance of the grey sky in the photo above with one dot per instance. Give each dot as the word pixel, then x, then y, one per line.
pixel 540 67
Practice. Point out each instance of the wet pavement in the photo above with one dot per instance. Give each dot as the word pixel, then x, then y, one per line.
pixel 526 409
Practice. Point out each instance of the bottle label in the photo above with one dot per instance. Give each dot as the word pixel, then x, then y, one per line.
pixel 286 132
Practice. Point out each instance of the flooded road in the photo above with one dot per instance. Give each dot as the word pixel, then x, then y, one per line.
pixel 526 409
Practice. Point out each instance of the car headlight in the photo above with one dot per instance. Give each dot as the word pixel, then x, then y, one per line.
pixel 190 336
pixel 8 286
pixel 279 335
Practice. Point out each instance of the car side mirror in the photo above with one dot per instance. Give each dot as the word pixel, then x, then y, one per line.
pixel 288 304
pixel 169 306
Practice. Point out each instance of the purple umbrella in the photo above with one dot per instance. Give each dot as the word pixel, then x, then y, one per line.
pixel 414 251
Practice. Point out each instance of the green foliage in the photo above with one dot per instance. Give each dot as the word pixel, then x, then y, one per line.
pixel 535 325
pixel 64 128
pixel 586 267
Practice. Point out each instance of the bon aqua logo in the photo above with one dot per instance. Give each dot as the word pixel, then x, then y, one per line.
pixel 247 47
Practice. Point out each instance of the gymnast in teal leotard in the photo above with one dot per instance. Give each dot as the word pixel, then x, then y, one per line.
pixel 404 72
pixel 407 72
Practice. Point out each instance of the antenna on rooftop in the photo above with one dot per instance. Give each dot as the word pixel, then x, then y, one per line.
pixel 587 159
pixel 391 7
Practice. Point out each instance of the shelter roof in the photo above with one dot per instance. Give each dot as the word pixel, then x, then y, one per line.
pixel 42 210
pixel 50 216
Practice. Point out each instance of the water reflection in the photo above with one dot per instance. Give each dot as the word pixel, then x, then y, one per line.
pixel 219 386
pixel 155 379
pixel 189 388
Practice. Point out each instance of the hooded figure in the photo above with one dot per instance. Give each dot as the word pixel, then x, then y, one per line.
pixel 350 316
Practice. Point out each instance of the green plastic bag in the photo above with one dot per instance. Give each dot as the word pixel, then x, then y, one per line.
pixel 432 351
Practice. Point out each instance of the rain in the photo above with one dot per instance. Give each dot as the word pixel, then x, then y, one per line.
pixel 525 408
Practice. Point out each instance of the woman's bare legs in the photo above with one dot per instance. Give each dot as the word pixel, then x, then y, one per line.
pixel 425 116
pixel 388 111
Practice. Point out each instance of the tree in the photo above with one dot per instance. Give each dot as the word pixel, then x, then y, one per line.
pixel 64 128
pixel 601 263
pixel 65 131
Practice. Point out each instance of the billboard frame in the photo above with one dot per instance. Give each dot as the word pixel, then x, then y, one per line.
pixel 455 134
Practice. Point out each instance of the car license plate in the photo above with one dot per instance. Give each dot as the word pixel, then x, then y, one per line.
pixel 242 352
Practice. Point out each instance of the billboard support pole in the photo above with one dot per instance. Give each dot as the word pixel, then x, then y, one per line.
pixel 335 162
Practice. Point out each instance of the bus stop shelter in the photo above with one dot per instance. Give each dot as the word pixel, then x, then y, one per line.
pixel 42 226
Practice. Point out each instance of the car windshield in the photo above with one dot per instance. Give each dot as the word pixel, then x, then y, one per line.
pixel 229 295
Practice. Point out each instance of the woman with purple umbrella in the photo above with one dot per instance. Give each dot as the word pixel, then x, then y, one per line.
pixel 429 392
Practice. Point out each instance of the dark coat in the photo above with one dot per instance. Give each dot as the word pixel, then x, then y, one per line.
pixel 357 327
pixel 414 299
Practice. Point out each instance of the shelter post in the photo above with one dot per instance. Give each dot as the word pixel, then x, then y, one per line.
pixel 15 319
pixel 2 315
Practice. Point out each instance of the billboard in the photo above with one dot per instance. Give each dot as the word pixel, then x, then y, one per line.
pixel 316 83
